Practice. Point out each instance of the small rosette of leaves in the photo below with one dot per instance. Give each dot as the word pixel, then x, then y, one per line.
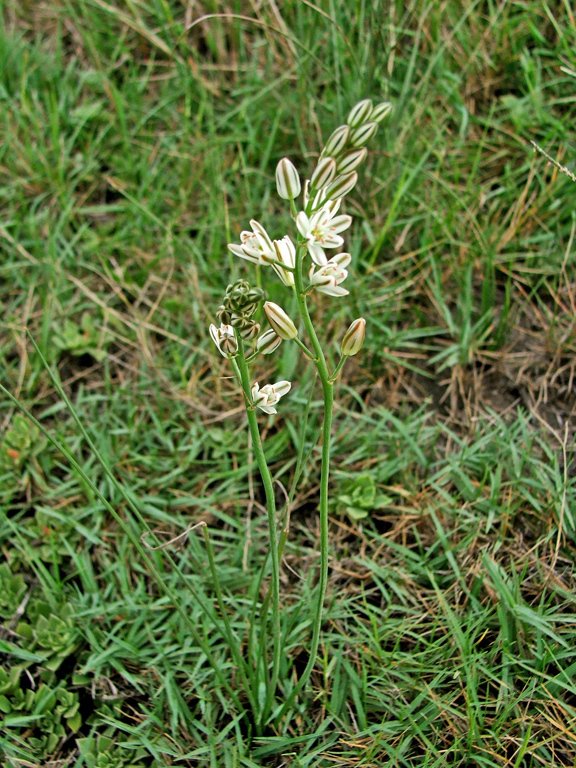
pixel 359 497
pixel 102 751
pixel 55 637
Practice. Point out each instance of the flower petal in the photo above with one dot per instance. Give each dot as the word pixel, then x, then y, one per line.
pixel 332 290
pixel 317 254
pixel 341 222
pixel 303 224
pixel 243 253
pixel 261 233
pixel 342 259
pixel 282 388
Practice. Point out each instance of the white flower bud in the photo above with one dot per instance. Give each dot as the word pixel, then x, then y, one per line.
pixel 287 180
pixel 380 111
pixel 363 134
pixel 280 321
pixel 337 141
pixel 341 186
pixel 268 342
pixel 323 173
pixel 353 340
pixel 351 160
pixel 360 113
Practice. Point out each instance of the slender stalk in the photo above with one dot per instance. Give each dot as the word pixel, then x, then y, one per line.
pixel 338 368
pixel 241 368
pixel 328 396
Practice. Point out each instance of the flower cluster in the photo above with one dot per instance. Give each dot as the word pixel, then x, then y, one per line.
pixel 237 310
pixel 320 225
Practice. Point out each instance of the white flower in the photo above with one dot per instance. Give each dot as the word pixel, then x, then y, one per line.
pixel 321 230
pixel 224 338
pixel 285 252
pixel 254 245
pixel 267 397
pixel 327 279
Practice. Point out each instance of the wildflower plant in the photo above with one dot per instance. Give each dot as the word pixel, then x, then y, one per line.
pixel 310 265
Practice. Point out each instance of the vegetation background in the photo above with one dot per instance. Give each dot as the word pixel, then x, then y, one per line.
pixel 138 138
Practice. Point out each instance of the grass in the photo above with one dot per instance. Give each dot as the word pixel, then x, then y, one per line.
pixel 139 138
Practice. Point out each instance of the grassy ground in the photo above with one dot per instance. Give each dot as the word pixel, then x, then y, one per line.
pixel 138 139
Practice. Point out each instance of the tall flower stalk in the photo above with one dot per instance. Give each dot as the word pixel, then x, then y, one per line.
pixel 319 228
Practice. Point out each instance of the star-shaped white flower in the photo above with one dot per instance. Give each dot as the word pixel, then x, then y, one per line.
pixel 266 397
pixel 322 229
pixel 254 245
pixel 327 278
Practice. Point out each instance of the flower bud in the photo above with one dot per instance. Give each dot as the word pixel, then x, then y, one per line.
pixel 287 180
pixel 341 186
pixel 323 173
pixel 249 330
pixel 268 342
pixel 363 133
pixel 351 160
pixel 353 340
pixel 337 141
pixel 380 111
pixel 360 113
pixel 280 321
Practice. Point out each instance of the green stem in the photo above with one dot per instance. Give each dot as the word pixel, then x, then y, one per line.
pixel 338 368
pixel 241 368
pixel 328 395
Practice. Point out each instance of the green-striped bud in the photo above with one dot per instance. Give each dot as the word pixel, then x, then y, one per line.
pixel 380 111
pixel 250 330
pixel 268 342
pixel 360 113
pixel 337 141
pixel 353 340
pixel 323 173
pixel 279 321
pixel 363 133
pixel 341 186
pixel 287 180
pixel 351 160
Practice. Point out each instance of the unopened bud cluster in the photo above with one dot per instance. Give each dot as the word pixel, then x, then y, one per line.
pixel 236 315
pixel 335 174
pixel 238 307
